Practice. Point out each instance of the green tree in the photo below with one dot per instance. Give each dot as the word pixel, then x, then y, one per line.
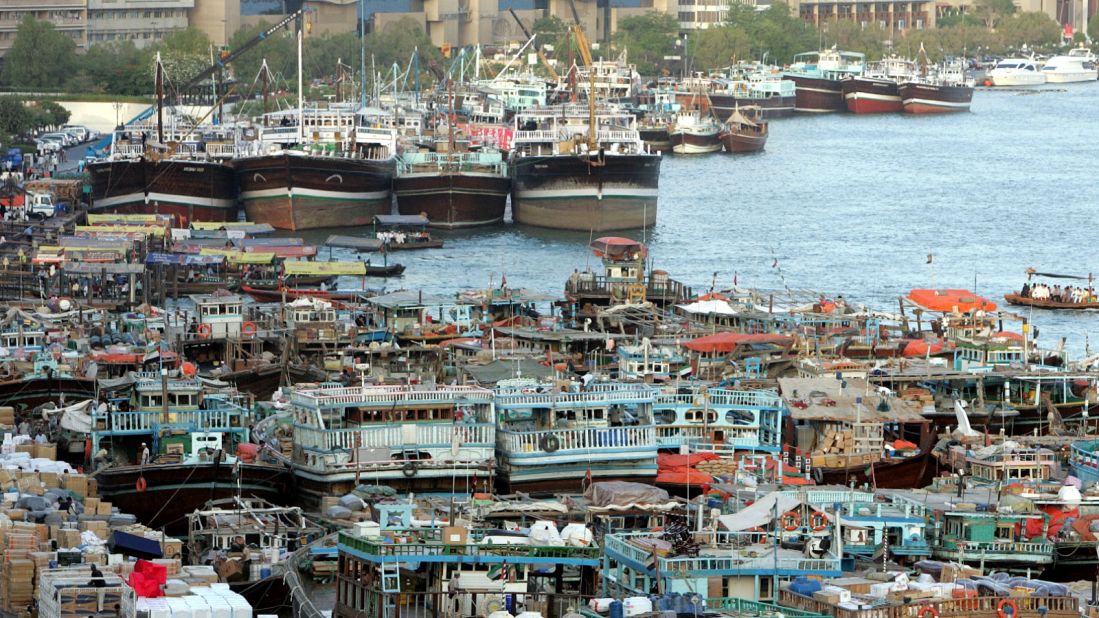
pixel 721 46
pixel 993 11
pixel 15 118
pixel 116 68
pixel 550 27
pixel 52 114
pixel 40 58
pixel 648 38
pixel 1032 29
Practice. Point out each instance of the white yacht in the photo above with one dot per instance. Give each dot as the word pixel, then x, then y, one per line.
pixel 1077 66
pixel 1017 72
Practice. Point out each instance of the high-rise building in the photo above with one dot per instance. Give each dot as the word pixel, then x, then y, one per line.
pixel 144 22
pixel 219 19
pixel 68 16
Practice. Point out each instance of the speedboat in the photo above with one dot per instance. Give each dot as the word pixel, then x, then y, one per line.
pixel 1077 66
pixel 1017 72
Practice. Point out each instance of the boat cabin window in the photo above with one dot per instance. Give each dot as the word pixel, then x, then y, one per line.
pixel 406 415
pixel 151 401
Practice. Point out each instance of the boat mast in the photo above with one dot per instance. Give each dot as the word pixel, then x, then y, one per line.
pixel 362 53
pixel 450 117
pixel 159 100
pixel 301 93
pixel 591 109
pixel 266 89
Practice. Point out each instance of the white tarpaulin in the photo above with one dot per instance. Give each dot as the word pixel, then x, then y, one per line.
pixel 760 512
pixel 74 418
pixel 713 306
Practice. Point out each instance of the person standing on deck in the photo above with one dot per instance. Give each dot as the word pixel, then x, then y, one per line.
pixel 144 458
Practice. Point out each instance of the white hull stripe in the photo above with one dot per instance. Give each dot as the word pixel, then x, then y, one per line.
pixel 692 149
pixel 934 103
pixel 316 193
pixel 165 198
pixel 892 98
pixel 542 194
pixel 822 90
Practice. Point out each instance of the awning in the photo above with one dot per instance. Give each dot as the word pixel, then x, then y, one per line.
pixel 151 230
pixel 123 219
pixel 724 343
pixel 86 268
pixel 401 220
pixel 353 242
pixel 184 259
pixel 324 268
pixel 761 512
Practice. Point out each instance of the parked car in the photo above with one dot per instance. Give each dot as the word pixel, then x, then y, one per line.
pixel 80 133
pixel 66 139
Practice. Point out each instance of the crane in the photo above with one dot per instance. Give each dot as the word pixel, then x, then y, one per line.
pixel 225 57
pixel 541 56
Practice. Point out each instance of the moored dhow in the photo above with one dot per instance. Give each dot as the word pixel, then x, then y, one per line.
pixel 937 90
pixel 576 170
pixel 410 438
pixel 877 91
pixel 318 169
pixel 817 77
pixel 548 438
pixel 453 189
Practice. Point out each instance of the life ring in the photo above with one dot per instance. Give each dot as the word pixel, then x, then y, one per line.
pixel 928 612
pixel 818 521
pixel 248 329
pixel 549 443
pixel 204 331
pixel 1007 603
pixel 409 469
pixel 141 485
pixel 791 520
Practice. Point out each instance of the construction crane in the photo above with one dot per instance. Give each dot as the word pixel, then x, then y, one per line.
pixel 541 56
pixel 225 56
pixel 581 39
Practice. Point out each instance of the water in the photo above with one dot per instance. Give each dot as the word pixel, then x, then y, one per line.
pixel 849 205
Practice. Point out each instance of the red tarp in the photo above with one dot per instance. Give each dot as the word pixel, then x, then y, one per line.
pixel 950 300
pixel 147 579
pixel 616 246
pixel 1057 517
pixel 669 461
pixel 688 476
pixel 920 347
pixel 725 343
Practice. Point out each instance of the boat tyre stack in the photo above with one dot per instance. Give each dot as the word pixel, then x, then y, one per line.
pixel 549 443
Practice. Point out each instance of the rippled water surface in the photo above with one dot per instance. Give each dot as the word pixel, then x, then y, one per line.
pixel 849 205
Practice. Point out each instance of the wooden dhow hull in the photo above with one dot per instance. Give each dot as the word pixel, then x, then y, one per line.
pixel 742 142
pixel 867 95
pixel 935 99
pixel 816 95
pixel 776 106
pixel 174 491
pixel 615 192
pixel 453 200
pixel 1026 301
pixel 694 143
pixel 294 191
pixel 189 190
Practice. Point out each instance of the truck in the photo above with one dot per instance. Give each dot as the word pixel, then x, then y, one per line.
pixel 40 205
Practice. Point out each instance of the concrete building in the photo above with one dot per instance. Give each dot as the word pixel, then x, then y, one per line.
pixel 144 22
pixel 68 16
pixel 219 19
pixel 893 15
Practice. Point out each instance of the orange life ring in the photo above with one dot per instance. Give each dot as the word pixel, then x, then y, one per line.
pixel 1007 603
pixel 818 521
pixel 141 485
pixel 928 612
pixel 248 329
pixel 204 331
pixel 791 520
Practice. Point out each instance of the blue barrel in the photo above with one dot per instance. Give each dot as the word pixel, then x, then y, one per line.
pixel 265 572
pixel 617 611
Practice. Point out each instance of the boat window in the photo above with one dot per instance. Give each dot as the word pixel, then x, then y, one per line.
pixel 666 417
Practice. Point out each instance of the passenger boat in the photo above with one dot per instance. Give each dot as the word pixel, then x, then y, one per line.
pixel 1083 460
pixel 318 169
pixel 818 78
pixel 655 131
pixel 1016 72
pixel 553 439
pixel 940 89
pixel 877 90
pixel 404 233
pixel 568 173
pixel 192 433
pixel 695 132
pixel 1079 65
pixel 1044 296
pixel 411 438
pixel 744 131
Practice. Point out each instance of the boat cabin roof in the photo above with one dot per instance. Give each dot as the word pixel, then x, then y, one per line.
pixel 401 220
pixel 850 400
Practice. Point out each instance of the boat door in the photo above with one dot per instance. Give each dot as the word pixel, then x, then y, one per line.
pixel 205 445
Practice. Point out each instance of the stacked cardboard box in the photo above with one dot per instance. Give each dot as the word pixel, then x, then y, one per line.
pixel 17 584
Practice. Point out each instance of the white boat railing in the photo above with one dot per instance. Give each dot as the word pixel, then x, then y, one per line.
pixel 765 559
pixel 1001 547
pixel 594 395
pixel 147 421
pixel 721 397
pixel 386 395
pixel 586 439
pixel 393 436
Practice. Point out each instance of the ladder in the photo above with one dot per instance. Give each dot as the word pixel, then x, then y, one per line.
pixel 391 588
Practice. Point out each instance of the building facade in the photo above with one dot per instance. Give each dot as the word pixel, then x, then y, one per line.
pixel 896 16
pixel 68 16
pixel 144 22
